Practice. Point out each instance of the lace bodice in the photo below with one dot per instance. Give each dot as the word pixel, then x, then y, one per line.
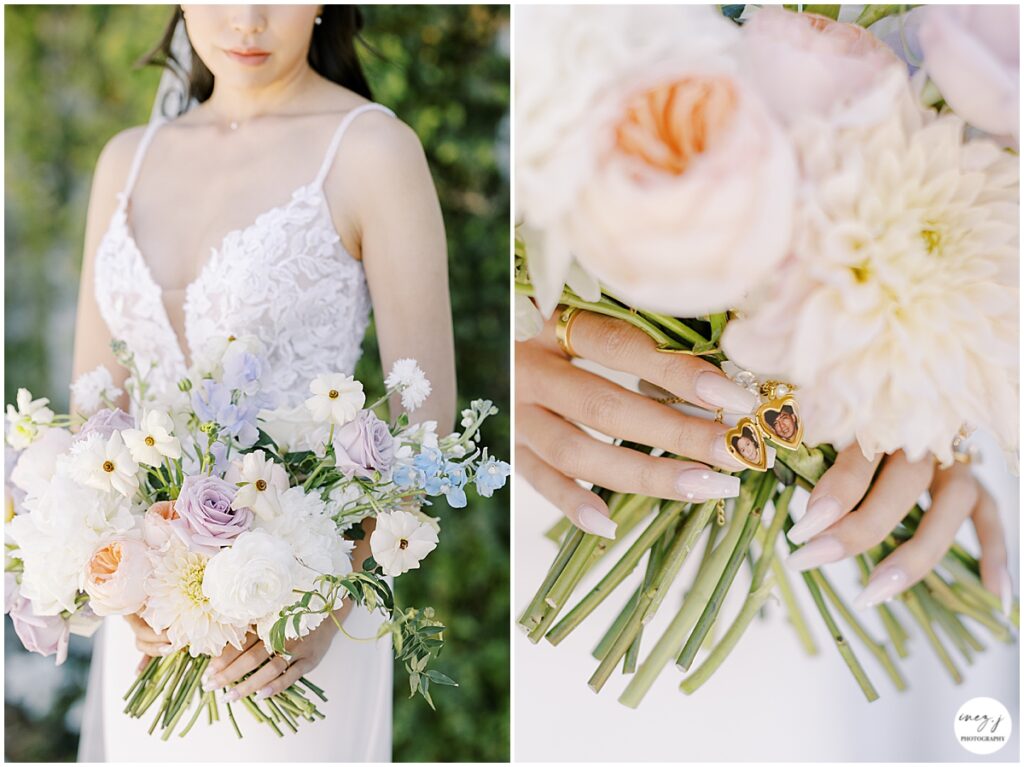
pixel 285 278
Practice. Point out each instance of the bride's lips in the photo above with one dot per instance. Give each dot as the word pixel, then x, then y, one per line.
pixel 251 57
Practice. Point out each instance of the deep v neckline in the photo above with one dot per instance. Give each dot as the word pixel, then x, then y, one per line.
pixel 182 346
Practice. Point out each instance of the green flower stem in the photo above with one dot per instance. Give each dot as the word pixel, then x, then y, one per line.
pixel 873 13
pixel 615 629
pixel 764 487
pixel 557 532
pixel 840 641
pixel 970 583
pixel 145 676
pixel 204 705
pixel 654 561
pixel 281 715
pixel 830 11
pixel 537 607
pixel 947 622
pixel 670 642
pixel 880 651
pixel 913 603
pixel 794 612
pixel 893 628
pixel 313 688
pixel 617 574
pixel 175 661
pixel 183 696
pixel 677 555
pixel 949 599
pixel 755 600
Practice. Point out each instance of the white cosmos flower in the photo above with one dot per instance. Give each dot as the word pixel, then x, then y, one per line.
pixel 400 541
pixel 177 605
pixel 261 481
pixel 154 441
pixel 897 313
pixel 410 380
pixel 105 464
pixel 25 420
pixel 94 390
pixel 251 579
pixel 336 398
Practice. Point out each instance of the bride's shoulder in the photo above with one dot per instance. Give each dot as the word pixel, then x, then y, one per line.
pixel 377 142
pixel 115 159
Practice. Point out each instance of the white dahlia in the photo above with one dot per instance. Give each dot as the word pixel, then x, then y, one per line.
pixel 177 605
pixel 896 313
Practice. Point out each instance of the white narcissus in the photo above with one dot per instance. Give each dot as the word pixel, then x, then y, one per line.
pixel 336 398
pixel 27 420
pixel 105 464
pixel 400 541
pixel 154 440
pixel 261 482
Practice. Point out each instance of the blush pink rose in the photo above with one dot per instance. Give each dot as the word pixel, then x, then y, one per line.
pixel 115 577
pixel 156 524
pixel 805 64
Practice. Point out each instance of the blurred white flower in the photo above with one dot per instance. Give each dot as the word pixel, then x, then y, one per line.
pixel 407 377
pixel 94 390
pixel 897 314
pixel 154 440
pixel 38 462
pixel 400 541
pixel 336 398
pixel 252 578
pixel 972 53
pixel 261 482
pixel 105 464
pixel 177 605
pixel 25 421
pixel 294 429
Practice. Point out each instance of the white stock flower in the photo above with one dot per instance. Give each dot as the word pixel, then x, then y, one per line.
pixel 38 462
pixel 897 313
pixel 94 390
pixel 105 464
pixel 294 430
pixel 177 605
pixel 261 482
pixel 400 541
pixel 336 398
pixel 25 421
pixel 154 441
pixel 407 376
pixel 251 579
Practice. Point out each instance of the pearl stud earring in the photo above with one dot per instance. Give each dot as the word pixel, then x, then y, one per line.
pixel 318 20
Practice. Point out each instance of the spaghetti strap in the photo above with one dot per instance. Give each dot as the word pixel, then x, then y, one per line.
pixel 140 152
pixel 332 148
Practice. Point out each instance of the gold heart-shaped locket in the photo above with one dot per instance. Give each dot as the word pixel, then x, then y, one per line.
pixel 746 445
pixel 780 422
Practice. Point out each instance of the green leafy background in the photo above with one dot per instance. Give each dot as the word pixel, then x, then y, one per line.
pixel 70 86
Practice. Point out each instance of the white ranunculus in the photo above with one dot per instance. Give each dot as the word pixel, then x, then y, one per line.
pixel 400 541
pixel 294 429
pixel 251 579
pixel 897 313
pixel 25 422
pixel 105 464
pixel 94 390
pixel 154 440
pixel 261 482
pixel 38 462
pixel 972 53
pixel 336 398
pixel 115 577
pixel 642 154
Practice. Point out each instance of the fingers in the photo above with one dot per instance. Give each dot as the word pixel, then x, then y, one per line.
pixel 236 667
pixel 272 669
pixel 954 494
pixel 298 668
pixel 149 642
pixel 994 574
pixel 572 453
pixel 838 491
pixel 898 486
pixel 618 345
pixel 583 508
pixel 600 404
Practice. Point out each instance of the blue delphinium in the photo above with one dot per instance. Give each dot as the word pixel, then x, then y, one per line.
pixel 490 476
pixel 450 483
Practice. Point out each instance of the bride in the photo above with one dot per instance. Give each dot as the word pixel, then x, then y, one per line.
pixel 282 205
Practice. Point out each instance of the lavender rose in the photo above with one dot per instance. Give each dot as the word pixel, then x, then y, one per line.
pixel 105 422
pixel 363 446
pixel 44 634
pixel 205 517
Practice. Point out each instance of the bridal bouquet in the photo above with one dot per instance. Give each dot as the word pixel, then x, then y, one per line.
pixel 214 513
pixel 828 213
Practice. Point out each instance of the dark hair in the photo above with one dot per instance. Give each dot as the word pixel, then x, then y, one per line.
pixel 771 416
pixel 332 54
pixel 746 432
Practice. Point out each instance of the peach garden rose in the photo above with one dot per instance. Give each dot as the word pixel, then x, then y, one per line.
pixel 115 577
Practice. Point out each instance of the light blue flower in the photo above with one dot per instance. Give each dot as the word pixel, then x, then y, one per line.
pixel 242 372
pixel 456 473
pixel 491 475
pixel 406 476
pixel 429 462
pixel 212 403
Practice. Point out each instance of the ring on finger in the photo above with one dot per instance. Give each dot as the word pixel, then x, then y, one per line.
pixel 563 329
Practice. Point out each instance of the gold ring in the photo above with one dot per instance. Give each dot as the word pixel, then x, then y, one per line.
pixel 563 328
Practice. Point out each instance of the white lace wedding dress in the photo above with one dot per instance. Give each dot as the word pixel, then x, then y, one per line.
pixel 287 279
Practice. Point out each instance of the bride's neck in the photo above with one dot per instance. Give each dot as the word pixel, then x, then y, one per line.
pixel 235 103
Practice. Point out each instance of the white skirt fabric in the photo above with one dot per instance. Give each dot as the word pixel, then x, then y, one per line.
pixel 356 677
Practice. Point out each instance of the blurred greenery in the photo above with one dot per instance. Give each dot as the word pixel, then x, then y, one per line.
pixel 70 86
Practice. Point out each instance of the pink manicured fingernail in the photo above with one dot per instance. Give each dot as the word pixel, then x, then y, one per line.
pixel 1006 592
pixel 884 585
pixel 818 552
pixel 593 521
pixel 721 456
pixel 772 453
pixel 821 513
pixel 703 484
pixel 166 650
pixel 264 693
pixel 718 391
pixel 232 696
